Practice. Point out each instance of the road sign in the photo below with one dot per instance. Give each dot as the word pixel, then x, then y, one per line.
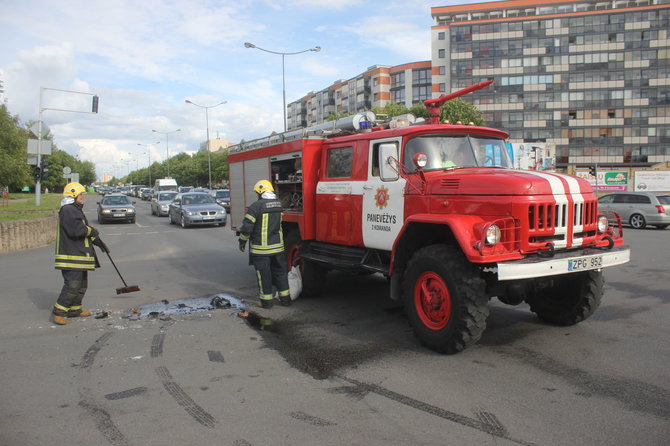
pixel 67 170
pixel 34 143
pixel 32 160
pixel 35 128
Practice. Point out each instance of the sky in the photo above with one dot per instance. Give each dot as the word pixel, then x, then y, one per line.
pixel 145 58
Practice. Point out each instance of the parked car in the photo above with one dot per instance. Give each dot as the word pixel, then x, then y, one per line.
pixel 160 205
pixel 638 209
pixel 116 207
pixel 196 208
pixel 183 189
pixel 147 193
pixel 222 196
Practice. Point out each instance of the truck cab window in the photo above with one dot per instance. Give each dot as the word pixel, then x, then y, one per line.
pixel 339 162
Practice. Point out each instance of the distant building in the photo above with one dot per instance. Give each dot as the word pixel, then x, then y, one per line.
pixel 406 84
pixel 590 77
pixel 215 145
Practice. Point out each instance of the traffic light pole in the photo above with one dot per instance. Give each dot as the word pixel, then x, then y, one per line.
pixel 38 168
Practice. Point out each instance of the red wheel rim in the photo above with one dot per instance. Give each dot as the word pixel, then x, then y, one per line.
pixel 432 300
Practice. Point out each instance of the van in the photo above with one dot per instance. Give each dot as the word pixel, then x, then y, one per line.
pixel 165 184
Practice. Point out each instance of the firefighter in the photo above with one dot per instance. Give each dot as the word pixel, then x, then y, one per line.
pixel 262 225
pixel 75 255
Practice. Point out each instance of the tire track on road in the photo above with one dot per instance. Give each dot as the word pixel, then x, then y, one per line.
pixel 102 419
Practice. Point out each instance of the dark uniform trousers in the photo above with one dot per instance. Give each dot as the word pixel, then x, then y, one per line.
pixel 71 295
pixel 271 270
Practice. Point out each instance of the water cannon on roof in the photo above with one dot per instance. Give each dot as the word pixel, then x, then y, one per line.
pixel 433 105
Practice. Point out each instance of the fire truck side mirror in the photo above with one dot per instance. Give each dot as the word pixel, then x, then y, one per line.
pixel 388 158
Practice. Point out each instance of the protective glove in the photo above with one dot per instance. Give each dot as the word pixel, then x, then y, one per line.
pixel 243 244
pixel 94 232
pixel 99 243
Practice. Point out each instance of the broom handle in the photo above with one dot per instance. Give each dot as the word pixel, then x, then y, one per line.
pixel 117 270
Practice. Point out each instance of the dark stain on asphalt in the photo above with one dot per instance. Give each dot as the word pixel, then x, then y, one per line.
pixel 635 395
pixel 636 291
pixel 126 393
pixel 308 350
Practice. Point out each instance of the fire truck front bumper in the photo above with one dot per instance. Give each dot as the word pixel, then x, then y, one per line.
pixel 563 263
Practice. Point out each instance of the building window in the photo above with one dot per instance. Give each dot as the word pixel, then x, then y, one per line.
pixel 443 70
pixel 398 79
pixel 420 94
pixel 421 76
pixel 441 53
pixel 398 96
pixel 443 88
pixel 440 36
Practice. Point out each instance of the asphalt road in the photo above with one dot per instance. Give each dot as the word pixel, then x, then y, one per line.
pixel 340 369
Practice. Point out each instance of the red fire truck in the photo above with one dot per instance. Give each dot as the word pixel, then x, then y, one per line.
pixel 440 211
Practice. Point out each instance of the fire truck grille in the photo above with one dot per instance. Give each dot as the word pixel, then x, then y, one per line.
pixel 547 216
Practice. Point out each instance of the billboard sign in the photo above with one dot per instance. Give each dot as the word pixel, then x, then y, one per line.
pixel 607 180
pixel 652 181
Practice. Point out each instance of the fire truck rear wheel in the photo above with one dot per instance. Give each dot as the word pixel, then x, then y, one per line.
pixel 445 299
pixel 568 299
pixel 313 275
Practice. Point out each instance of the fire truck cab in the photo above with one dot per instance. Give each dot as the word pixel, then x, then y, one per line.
pixel 439 210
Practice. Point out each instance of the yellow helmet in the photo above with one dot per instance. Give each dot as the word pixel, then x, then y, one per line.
pixel 73 190
pixel 263 186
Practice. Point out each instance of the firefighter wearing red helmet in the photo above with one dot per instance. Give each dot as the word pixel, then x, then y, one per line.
pixel 262 226
pixel 75 255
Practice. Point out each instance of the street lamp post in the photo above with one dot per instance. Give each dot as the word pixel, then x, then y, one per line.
pixel 167 146
pixel 148 146
pixel 283 76
pixel 209 152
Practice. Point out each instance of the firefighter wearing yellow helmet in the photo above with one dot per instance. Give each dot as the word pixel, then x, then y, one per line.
pixel 262 227
pixel 75 255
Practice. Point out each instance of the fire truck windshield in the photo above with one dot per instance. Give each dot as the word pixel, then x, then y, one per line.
pixel 456 151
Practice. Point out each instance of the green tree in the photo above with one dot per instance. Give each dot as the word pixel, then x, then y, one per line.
pixel 459 110
pixel 15 173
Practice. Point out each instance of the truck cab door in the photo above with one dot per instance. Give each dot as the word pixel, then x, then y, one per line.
pixel 383 195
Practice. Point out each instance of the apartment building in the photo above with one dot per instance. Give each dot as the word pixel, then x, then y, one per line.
pixel 591 77
pixel 407 84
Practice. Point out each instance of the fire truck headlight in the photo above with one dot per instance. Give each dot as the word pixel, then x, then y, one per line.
pixel 493 235
pixel 602 224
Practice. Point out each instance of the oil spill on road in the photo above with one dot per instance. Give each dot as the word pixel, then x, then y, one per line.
pixel 181 307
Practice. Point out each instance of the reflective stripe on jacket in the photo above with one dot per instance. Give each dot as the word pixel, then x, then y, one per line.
pixel 74 248
pixel 262 226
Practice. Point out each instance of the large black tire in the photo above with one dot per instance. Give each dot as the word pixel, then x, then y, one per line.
pixel 568 299
pixel 313 275
pixel 637 221
pixel 445 299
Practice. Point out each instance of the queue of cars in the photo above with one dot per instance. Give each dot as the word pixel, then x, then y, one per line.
pixel 187 207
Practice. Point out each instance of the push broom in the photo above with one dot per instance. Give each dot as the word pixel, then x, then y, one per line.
pixel 126 288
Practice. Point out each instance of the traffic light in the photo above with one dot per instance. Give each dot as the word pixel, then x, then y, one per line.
pixel 44 165
pixel 94 109
pixel 37 173
pixel 592 171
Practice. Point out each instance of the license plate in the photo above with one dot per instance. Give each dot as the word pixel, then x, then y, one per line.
pixel 585 263
pixel 119 215
pixel 208 218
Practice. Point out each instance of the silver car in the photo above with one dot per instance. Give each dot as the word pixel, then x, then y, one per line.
pixel 196 208
pixel 638 209
pixel 160 204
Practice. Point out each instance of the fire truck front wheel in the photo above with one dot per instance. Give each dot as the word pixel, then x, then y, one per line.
pixel 445 299
pixel 568 299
